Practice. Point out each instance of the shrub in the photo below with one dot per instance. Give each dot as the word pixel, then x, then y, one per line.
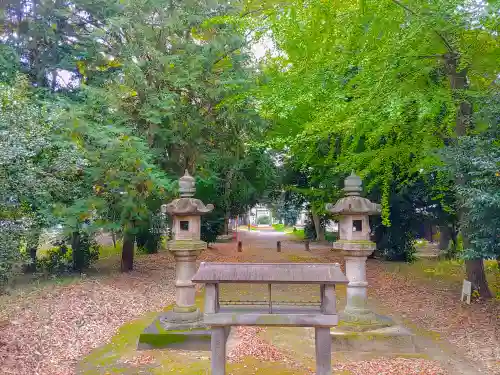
pixel 10 255
pixel 56 260
pixel 148 242
pixel 331 236
pixel 309 229
pixel 59 259
pixel 211 227
pixel 89 251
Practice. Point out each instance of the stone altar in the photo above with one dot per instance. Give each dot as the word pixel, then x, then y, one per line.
pixel 222 317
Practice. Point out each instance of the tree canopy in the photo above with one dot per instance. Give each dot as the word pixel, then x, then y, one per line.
pixel 104 105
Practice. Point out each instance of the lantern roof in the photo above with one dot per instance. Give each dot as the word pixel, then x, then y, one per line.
pixel 353 203
pixel 186 205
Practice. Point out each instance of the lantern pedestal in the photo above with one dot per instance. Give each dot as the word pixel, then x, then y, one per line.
pixel 357 316
pixel 185 253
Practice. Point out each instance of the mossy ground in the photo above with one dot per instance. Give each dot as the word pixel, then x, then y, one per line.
pixel 120 355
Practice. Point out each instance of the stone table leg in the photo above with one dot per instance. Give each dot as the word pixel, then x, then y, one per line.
pixel 323 343
pixel 218 346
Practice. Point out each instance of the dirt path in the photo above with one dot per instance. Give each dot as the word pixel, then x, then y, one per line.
pixel 463 338
pixel 48 330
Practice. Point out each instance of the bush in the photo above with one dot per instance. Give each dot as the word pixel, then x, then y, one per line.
pixel 263 220
pixel 309 229
pixel 56 260
pixel 59 259
pixel 396 245
pixel 148 242
pixel 211 227
pixel 331 236
pixel 89 250
pixel 10 255
pixel 279 227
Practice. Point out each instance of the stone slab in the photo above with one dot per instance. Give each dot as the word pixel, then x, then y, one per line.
pixel 358 321
pixel 388 340
pixel 284 317
pixel 272 273
pixel 175 319
pixel 163 334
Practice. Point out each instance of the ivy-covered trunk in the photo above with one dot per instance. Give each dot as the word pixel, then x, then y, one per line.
pixel 127 263
pixel 458 82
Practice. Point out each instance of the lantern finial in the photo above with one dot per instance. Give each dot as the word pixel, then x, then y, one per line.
pixel 353 184
pixel 187 185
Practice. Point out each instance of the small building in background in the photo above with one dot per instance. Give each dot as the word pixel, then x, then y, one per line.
pixel 261 215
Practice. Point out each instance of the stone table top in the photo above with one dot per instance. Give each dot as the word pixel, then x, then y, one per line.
pixel 270 273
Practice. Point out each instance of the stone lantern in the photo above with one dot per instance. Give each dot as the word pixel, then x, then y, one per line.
pixel 186 245
pixel 354 243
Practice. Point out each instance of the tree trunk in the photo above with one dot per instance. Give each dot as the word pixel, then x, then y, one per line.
pixel 458 82
pixel 227 192
pixel 454 237
pixel 476 275
pixel 76 253
pixel 128 252
pixel 320 232
pixel 113 237
pixel 32 245
pixel 444 237
pixel 226 223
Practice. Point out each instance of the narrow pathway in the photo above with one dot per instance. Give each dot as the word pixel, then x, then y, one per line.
pixel 49 329
pixel 464 339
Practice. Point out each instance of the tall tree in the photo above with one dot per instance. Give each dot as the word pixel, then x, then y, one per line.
pixel 394 80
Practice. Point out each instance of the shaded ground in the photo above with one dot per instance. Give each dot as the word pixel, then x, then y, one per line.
pixel 49 329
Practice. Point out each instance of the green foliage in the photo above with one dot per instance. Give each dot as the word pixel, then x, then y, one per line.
pixel 309 230
pixel 147 242
pixel 60 259
pixel 10 255
pixel 56 260
pixel 9 64
pixel 211 227
pixel 331 236
pixel 477 158
pixel 264 220
pixel 366 87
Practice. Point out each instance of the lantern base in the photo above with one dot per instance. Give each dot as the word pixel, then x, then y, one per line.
pixel 388 340
pixel 180 317
pixel 365 320
pixel 175 330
